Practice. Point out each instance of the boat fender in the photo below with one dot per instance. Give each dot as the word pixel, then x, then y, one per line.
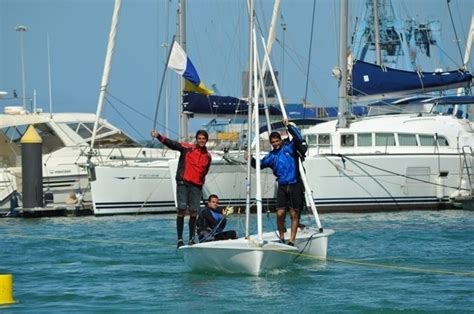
pixel 91 172
pixel 48 197
pixel 13 202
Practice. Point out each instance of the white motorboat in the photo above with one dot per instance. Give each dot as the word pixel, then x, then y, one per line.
pixel 66 138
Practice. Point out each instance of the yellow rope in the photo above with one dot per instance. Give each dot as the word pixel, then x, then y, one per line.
pixel 387 266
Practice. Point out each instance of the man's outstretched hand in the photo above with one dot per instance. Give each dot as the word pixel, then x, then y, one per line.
pixel 154 133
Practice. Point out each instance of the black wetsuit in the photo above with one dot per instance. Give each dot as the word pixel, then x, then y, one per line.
pixel 211 226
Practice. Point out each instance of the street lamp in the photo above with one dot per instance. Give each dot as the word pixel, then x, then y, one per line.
pixel 22 29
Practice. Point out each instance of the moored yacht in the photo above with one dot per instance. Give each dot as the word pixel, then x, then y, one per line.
pixel 66 138
pixel 417 160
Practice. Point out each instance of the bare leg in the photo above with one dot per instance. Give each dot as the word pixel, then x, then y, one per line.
pixel 295 221
pixel 281 222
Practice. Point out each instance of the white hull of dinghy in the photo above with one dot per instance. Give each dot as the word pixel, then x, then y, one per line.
pixel 238 256
pixel 309 241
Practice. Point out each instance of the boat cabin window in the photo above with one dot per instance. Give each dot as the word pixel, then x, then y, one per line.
pixel 442 141
pixel 384 139
pixel 85 130
pixel 10 151
pixel 324 140
pixel 347 139
pixel 51 141
pixel 312 140
pixel 14 133
pixel 430 140
pixel 116 140
pixel 407 139
pixel 364 139
pixel 426 140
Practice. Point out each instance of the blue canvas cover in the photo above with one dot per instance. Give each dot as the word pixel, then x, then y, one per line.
pixel 226 105
pixel 370 81
pixel 219 105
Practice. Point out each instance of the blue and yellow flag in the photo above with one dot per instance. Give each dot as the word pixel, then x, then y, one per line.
pixel 181 64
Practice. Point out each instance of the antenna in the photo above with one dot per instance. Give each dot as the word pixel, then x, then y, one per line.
pixel 49 82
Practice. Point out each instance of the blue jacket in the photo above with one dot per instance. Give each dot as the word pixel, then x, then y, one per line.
pixel 284 161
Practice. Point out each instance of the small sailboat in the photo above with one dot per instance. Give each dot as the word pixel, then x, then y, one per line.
pixel 251 255
pixel 254 254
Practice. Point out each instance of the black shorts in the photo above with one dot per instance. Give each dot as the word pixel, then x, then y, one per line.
pixel 290 196
pixel 188 196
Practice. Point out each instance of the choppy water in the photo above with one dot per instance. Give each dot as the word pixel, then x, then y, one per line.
pixel 418 261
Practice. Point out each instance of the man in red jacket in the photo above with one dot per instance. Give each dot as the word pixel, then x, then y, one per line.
pixel 193 165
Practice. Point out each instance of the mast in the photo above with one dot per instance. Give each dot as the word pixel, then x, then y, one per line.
pixel 469 42
pixel 258 193
pixel 467 51
pixel 108 61
pixel 378 52
pixel 183 118
pixel 251 11
pixel 270 41
pixel 343 108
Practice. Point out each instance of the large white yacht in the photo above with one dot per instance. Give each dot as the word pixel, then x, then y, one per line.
pixel 417 160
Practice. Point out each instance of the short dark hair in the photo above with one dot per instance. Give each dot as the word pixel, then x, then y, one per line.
pixel 202 132
pixel 212 196
pixel 274 134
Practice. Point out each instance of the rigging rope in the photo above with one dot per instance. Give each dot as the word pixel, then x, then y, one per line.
pixel 454 29
pixel 309 56
pixel 398 174
pixel 137 112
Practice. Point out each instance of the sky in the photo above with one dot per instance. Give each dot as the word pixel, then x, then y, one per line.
pixel 217 44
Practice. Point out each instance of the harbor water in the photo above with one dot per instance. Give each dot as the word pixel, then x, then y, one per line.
pixel 414 261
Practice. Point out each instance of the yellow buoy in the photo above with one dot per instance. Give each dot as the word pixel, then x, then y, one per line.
pixel 6 289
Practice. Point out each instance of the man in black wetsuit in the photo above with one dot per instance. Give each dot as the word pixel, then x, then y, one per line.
pixel 212 221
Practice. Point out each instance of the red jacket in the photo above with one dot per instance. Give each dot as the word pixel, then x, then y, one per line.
pixel 194 161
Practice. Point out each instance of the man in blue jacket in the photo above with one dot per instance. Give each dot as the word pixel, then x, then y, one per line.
pixel 283 160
